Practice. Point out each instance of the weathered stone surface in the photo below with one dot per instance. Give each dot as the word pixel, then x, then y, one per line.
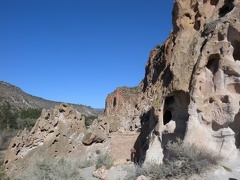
pixel 191 85
pixel 200 102
pixel 88 138
pixel 57 133
pixel 191 91
pixel 142 177
pixel 101 173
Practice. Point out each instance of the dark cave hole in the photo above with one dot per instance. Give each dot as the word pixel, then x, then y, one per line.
pixel 167 117
pixel 211 100
pixel 220 36
pixel 114 102
pixel 236 52
pixel 225 99
pixel 169 100
pixel 214 2
pixel 197 23
pixel 188 15
pixel 234 37
pixel 61 111
pixel 226 8
pixel 213 63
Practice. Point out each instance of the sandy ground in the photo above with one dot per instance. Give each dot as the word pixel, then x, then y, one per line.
pixel 115 173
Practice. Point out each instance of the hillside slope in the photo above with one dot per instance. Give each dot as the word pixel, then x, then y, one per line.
pixel 19 100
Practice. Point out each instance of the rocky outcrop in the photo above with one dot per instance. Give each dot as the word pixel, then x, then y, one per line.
pixel 195 93
pixel 191 91
pixel 121 115
pixel 121 110
pixel 191 85
pixel 57 133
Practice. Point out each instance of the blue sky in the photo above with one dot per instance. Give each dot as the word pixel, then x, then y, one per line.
pixel 79 51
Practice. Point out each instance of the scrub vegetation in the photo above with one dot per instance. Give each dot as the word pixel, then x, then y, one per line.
pixel 183 160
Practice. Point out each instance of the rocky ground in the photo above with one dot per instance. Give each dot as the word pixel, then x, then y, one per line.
pixel 226 170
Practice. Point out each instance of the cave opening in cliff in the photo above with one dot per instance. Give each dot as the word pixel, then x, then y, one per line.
pixel 167 117
pixel 176 111
pixel 226 8
pixel 236 52
pixel 234 38
pixel 114 102
pixel 213 63
pixel 214 2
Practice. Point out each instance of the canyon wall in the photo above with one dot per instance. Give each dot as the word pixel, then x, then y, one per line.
pixel 190 92
pixel 191 86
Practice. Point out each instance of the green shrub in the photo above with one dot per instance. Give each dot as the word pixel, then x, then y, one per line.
pixel 7 116
pixel 30 113
pixel 104 160
pixel 50 169
pixel 25 123
pixel 89 120
pixel 6 136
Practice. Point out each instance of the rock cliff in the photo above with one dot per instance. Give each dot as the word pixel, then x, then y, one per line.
pixel 190 91
pixel 191 85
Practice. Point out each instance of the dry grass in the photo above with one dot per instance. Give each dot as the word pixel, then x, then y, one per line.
pixel 104 160
pixel 183 160
pixel 50 169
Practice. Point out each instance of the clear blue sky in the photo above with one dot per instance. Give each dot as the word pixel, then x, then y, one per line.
pixel 79 51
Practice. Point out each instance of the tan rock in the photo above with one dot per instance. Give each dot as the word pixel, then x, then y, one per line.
pixel 191 91
pixel 57 132
pixel 88 138
pixel 191 85
pixel 142 177
pixel 101 173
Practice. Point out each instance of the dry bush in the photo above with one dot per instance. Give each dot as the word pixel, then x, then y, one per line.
pixel 86 163
pixel 189 158
pixel 183 160
pixel 50 169
pixel 104 160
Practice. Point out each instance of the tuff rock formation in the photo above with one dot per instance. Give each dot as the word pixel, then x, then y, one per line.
pixel 190 91
pixel 191 85
pixel 57 133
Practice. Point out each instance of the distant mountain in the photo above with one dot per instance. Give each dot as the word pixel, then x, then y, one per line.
pixel 18 99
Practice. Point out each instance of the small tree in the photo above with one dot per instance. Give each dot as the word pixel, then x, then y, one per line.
pixel 7 117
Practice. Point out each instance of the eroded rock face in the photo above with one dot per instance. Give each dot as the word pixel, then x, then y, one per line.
pixel 191 91
pixel 121 114
pixel 121 109
pixel 200 101
pixel 191 85
pixel 57 133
